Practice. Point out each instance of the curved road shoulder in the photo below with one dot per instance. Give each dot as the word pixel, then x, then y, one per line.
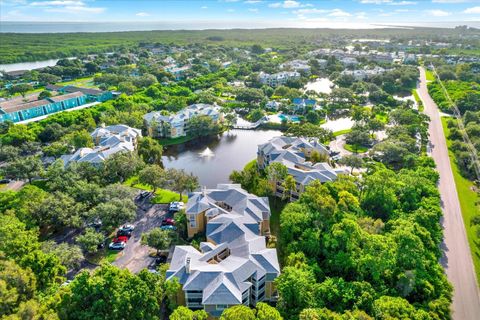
pixel 457 259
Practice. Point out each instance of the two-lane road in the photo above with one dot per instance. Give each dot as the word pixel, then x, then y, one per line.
pixel 457 260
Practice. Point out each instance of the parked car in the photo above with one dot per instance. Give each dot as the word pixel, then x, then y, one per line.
pixel 125 233
pixel 161 259
pixel 4 181
pixel 176 206
pixel 168 222
pixel 120 239
pixel 117 245
pixel 144 194
pixel 168 227
pixel 127 227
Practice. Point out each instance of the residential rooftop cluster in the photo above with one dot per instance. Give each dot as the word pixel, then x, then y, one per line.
pixel 295 153
pixel 108 141
pixel 234 266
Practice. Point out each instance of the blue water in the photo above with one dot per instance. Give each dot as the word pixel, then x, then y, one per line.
pixel 289 118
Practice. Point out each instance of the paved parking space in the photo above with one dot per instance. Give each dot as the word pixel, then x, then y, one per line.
pixel 135 256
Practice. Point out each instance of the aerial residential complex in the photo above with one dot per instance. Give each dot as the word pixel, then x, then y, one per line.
pixel 177 125
pixel 278 79
pixel 92 94
pixel 63 98
pixel 294 153
pixel 21 109
pixel 108 140
pixel 296 65
pixel 233 266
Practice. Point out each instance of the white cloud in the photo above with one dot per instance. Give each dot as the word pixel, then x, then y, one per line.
pixel 375 1
pixel 361 15
pixel 66 6
pixel 76 10
pixel 402 3
pixel 389 2
pixel 309 11
pixel 288 4
pixel 438 13
pixel 56 3
pixel 252 1
pixel 204 7
pixel 254 10
pixel 449 1
pixel 339 13
pixel 230 10
pixel 473 10
pixel 142 14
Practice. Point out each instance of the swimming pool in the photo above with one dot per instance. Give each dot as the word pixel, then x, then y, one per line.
pixel 284 117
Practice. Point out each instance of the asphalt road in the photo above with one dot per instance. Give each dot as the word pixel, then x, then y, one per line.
pixel 457 260
pixel 135 256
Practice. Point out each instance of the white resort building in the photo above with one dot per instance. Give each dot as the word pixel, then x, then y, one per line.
pixel 176 125
pixel 277 79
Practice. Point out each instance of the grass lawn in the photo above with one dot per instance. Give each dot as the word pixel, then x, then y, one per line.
pixel 382 117
pixel 86 82
pixel 418 100
pixel 467 198
pixel 161 195
pixel 167 196
pixel 276 207
pixel 429 75
pixel 355 149
pixel 173 141
pixel 340 132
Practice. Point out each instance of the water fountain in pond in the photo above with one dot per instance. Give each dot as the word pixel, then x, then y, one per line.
pixel 206 153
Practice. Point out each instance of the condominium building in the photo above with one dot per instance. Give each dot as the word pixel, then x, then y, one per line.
pixel 277 79
pixel 295 154
pixel 234 266
pixel 177 125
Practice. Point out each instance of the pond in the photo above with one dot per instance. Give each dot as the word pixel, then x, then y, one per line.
pixel 321 85
pixel 213 160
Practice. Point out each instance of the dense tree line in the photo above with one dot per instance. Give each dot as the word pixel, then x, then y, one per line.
pixel 363 245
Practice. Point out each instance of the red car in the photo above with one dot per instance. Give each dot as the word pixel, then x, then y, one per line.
pixel 168 222
pixel 120 239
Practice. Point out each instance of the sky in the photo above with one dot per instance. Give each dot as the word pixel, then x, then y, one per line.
pixel 247 13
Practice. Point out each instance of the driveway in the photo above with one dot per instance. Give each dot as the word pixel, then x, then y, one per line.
pixel 14 185
pixel 338 144
pixel 135 256
pixel 457 259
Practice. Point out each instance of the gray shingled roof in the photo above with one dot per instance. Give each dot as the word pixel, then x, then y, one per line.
pixel 290 152
pixel 238 232
pixel 111 140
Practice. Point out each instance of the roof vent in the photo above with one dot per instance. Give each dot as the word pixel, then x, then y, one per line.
pixel 187 265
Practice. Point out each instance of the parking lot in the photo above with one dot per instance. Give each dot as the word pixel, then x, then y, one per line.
pixel 135 256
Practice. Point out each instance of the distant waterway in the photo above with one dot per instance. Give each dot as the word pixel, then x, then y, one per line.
pixel 28 65
pixel 213 160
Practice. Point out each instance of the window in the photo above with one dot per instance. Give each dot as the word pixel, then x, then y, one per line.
pixel 222 306
pixel 192 220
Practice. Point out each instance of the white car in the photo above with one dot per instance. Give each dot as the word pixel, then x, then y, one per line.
pixel 176 206
pixel 127 227
pixel 117 245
